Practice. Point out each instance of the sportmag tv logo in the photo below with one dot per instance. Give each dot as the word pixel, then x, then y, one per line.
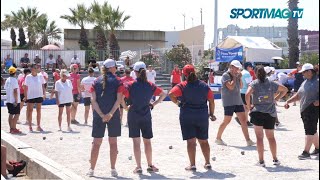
pixel 264 13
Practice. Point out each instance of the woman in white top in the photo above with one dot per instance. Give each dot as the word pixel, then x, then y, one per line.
pixel 86 85
pixel 35 92
pixel 64 97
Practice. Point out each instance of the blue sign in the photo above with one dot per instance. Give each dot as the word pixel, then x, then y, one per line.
pixel 227 55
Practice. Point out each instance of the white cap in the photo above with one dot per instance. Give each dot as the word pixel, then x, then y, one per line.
pixel 139 65
pixel 236 64
pixel 305 67
pixel 297 63
pixel 273 69
pixel 109 63
pixel 37 54
pixel 120 66
pixel 267 69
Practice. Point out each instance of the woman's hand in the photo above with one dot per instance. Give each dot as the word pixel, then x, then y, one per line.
pixel 212 117
pixel 316 103
pixel 107 117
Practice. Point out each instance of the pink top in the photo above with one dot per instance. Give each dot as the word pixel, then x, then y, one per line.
pixel 21 82
pixel 74 78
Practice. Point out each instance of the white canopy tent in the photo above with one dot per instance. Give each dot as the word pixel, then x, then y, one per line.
pixel 256 49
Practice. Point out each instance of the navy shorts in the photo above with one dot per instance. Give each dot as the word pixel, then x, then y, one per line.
pixel 35 100
pixel 229 110
pixel 13 109
pixel 99 127
pixel 137 123
pixel 87 101
pixel 76 98
pixel 194 128
pixel 65 104
pixel 262 119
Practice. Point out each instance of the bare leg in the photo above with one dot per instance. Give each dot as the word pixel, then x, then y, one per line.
pixel 21 105
pixel 137 150
pixel 15 120
pixel 86 113
pixel 95 152
pixel 260 147
pixel 223 126
pixel 68 111
pixel 272 142
pixel 308 143
pixel 60 117
pixel 244 125
pixel 38 107
pixel 74 107
pixel 10 120
pixel 113 151
pixel 191 146
pixel 205 150
pixel 148 150
pixel 316 140
pixel 29 113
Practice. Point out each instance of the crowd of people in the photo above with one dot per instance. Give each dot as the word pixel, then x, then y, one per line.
pixel 244 93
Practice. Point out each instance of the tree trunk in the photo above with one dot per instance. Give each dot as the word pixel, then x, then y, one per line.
pixel 83 42
pixel 114 46
pixel 101 40
pixel 22 38
pixel 293 36
pixel 13 37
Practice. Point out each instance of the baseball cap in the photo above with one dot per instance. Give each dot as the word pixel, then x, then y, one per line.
pixel 267 69
pixel 306 67
pixel 37 55
pixel 139 65
pixel 12 70
pixel 64 72
pixel 248 64
pixel 236 64
pixel 297 63
pixel 109 63
pixel 187 69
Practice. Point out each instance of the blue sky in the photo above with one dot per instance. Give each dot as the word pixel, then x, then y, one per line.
pixel 166 15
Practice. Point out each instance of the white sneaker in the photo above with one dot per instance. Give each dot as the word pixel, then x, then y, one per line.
pixel 276 162
pixel 250 143
pixel 114 173
pixel 261 164
pixel 90 173
pixel 69 129
pixel 220 142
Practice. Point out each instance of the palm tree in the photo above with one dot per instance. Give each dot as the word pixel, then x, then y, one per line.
pixel 100 16
pixel 293 36
pixel 47 31
pixel 28 18
pixel 79 17
pixel 117 21
pixel 9 24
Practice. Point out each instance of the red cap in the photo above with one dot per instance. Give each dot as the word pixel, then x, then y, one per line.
pixel 187 69
pixel 74 65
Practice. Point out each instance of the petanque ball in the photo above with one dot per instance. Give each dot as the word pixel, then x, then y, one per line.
pixel 170 147
pixel 213 158
pixel 242 152
pixel 44 138
pixel 130 157
pixel 61 138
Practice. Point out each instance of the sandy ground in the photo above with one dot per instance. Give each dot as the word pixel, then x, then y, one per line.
pixel 73 151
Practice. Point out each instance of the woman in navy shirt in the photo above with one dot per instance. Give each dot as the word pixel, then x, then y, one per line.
pixel 106 97
pixel 139 92
pixel 192 96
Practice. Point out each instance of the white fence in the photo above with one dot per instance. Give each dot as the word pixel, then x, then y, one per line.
pixel 66 55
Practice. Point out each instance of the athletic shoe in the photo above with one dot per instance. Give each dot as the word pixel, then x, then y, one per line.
pixel 74 121
pixel 90 173
pixel 276 162
pixel 261 164
pixel 220 142
pixel 208 166
pixel 30 129
pixel 39 129
pixel 250 143
pixel 315 152
pixel 191 168
pixel 69 129
pixel 152 168
pixel 114 173
pixel 15 131
pixel 305 155
pixel 17 167
pixel 249 124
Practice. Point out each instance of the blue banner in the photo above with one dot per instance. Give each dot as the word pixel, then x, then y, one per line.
pixel 227 55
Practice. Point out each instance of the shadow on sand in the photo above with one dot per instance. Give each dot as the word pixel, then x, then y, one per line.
pixel 211 174
pixel 245 148
pixel 285 169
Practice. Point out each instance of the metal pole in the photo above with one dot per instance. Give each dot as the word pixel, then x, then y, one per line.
pixel 201 15
pixel 184 21
pixel 215 42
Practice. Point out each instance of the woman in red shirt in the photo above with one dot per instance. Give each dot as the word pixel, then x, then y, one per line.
pixel 75 79
pixel 175 76
pixel 26 72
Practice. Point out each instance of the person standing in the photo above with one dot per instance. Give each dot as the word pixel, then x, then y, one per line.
pixel 151 74
pixel 56 77
pixel 298 80
pixel 75 79
pixel 125 80
pixel 308 94
pixel 86 84
pixel 175 76
pixel 194 115
pixel 106 97
pixel 246 79
pixel 21 80
pixel 64 97
pixel 232 102
pixel 140 92
pixel 13 100
pixel 211 77
pixel 260 99
pixel 35 93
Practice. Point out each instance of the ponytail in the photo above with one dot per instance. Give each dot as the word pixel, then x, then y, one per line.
pixel 261 73
pixel 192 77
pixel 143 75
pixel 104 79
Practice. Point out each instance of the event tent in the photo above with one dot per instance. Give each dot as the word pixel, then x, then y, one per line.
pixel 255 49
